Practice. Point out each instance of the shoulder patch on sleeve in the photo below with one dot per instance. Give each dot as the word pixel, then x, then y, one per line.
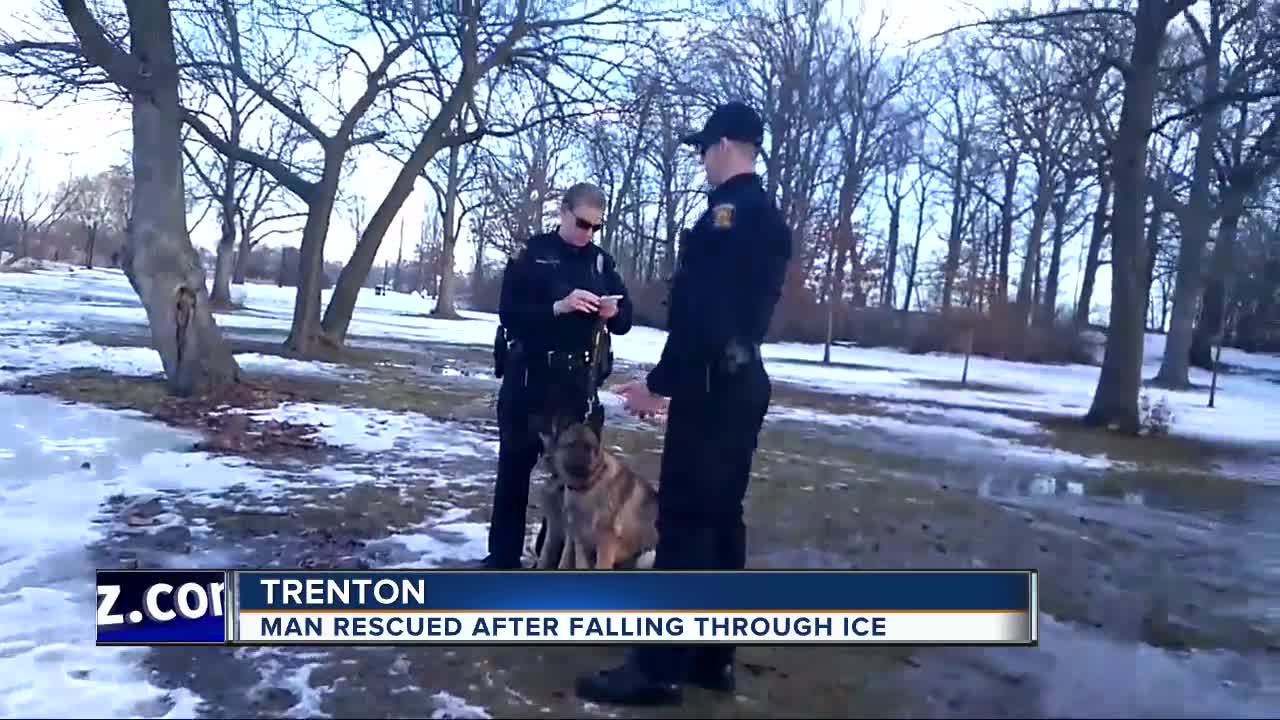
pixel 722 216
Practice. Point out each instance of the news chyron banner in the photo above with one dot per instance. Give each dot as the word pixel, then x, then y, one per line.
pixel 475 607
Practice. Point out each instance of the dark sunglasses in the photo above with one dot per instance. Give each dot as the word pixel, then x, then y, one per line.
pixel 584 225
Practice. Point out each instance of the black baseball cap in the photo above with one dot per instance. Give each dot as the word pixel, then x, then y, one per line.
pixel 734 121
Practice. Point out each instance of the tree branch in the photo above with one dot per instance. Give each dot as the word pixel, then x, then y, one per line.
pixel 1214 102
pixel 120 66
pixel 304 189
pixel 1022 20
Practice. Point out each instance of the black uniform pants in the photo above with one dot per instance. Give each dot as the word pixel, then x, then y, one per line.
pixel 519 448
pixel 710 444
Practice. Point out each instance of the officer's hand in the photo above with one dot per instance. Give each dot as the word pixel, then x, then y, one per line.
pixel 608 308
pixel 578 301
pixel 640 401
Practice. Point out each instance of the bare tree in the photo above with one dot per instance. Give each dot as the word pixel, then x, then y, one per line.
pixel 30 209
pixel 1115 399
pixel 159 260
pixel 1197 215
pixel 99 205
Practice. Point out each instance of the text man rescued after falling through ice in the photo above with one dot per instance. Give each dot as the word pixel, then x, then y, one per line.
pixel 572 627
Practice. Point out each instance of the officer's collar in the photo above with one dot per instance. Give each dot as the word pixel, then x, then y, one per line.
pixel 563 245
pixel 734 184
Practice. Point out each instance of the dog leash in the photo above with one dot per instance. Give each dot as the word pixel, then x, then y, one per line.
pixel 593 368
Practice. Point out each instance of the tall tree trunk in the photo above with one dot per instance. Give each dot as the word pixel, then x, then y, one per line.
pixel 915 260
pixel 305 328
pixel 1031 264
pixel 1197 221
pixel 159 260
pixel 221 295
pixel 445 307
pixel 1001 297
pixel 1096 238
pixel 1049 304
pixel 242 259
pixel 93 239
pixel 959 203
pixel 477 271
pixel 1215 294
pixel 337 316
pixel 1115 398
pixel 891 257
pixel 1155 225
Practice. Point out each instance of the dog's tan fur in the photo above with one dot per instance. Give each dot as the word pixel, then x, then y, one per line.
pixel 599 512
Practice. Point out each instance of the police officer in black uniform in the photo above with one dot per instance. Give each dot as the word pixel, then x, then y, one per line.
pixel 713 379
pixel 553 309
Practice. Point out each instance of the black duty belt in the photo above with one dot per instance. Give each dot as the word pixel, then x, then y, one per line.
pixel 565 360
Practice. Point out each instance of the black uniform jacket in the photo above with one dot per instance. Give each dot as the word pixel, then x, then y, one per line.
pixel 544 271
pixel 725 289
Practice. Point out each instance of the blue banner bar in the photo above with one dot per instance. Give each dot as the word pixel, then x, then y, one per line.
pixel 559 590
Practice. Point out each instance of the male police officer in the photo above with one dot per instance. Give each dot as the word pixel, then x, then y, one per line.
pixel 712 376
pixel 555 295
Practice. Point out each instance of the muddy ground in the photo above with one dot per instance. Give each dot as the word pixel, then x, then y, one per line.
pixel 1160 575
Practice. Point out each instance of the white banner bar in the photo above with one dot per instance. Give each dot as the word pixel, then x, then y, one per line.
pixel 551 628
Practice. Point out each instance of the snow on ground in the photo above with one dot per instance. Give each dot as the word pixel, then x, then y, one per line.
pixel 371 430
pixel 446 538
pixel 1248 405
pixel 41 356
pixel 454 707
pixel 58 466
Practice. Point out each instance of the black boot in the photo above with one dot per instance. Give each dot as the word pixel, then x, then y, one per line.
pixel 627 685
pixel 711 667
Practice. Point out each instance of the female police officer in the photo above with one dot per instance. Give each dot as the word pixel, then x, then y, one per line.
pixel 553 293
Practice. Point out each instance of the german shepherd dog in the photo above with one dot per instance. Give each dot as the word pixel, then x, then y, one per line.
pixel 599 512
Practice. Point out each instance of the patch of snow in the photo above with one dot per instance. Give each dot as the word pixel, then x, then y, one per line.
pixel 452 707
pixel 49 502
pixel 374 431
pixel 291 670
pixel 259 362
pixel 446 538
pixel 43 357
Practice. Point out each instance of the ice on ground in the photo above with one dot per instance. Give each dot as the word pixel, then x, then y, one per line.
pixel 59 465
pixel 373 431
pixel 943 438
pixel 980 419
pixel 1132 680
